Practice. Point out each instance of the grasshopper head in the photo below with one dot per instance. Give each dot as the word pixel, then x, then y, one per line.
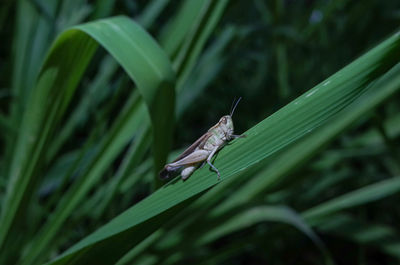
pixel 226 125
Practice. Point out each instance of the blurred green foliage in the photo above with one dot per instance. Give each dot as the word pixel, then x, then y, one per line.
pixel 283 48
pixel 329 196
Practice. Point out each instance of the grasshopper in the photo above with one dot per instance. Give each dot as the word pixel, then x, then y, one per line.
pixel 204 148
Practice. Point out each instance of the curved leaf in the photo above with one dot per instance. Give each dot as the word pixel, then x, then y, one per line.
pixel 145 63
pixel 255 215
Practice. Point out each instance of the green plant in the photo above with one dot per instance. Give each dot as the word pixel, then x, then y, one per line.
pixel 82 150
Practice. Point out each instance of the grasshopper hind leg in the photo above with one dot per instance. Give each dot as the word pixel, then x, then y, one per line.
pixel 169 171
pixel 188 171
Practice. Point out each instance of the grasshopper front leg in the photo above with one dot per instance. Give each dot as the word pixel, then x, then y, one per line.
pixel 234 136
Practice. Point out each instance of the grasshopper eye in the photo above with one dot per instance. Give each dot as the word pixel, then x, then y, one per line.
pixel 223 120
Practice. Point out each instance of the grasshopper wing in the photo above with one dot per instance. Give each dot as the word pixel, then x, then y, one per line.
pixel 199 143
pixel 165 173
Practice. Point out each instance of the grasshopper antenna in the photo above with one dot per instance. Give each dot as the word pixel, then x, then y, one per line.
pixel 234 106
pixel 233 103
